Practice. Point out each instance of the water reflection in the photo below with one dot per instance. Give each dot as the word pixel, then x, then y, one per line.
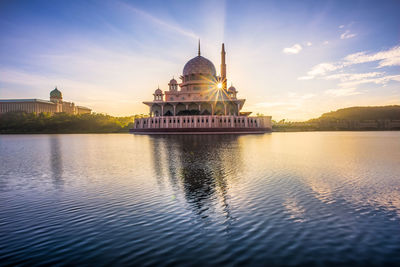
pixel 199 167
pixel 283 198
pixel 56 161
pixel 156 145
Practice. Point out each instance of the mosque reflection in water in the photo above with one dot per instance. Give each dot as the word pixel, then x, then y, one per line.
pixel 196 167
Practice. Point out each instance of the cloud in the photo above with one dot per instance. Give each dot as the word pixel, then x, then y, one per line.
pixel 341 26
pixel 318 70
pixel 342 92
pixel 348 82
pixel 305 78
pixel 381 80
pixel 294 101
pixel 353 76
pixel 295 49
pixel 326 42
pixel 307 96
pixel 297 96
pixel 394 61
pixel 390 57
pixel 272 104
pixel 309 44
pixel 347 35
pixel 166 25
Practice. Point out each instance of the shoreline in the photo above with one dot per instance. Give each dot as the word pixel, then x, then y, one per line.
pixel 127 132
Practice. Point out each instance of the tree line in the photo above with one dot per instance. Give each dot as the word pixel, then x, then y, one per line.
pixel 345 119
pixel 23 122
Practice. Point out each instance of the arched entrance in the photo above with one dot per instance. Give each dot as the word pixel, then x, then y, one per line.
pixel 180 109
pixel 168 110
pixel 219 109
pixel 156 110
pixel 206 109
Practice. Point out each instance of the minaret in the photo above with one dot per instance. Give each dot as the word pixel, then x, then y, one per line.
pixel 199 48
pixel 223 67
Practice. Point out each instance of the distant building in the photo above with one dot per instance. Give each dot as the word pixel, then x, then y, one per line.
pixel 55 105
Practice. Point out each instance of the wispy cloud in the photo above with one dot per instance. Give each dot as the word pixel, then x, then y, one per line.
pixel 353 76
pixel 381 80
pixel 347 35
pixel 166 25
pixel 309 44
pixel 342 92
pixel 295 49
pixel 390 57
pixel 341 26
pixel 272 104
pixel 293 101
pixel 348 82
pixel 319 70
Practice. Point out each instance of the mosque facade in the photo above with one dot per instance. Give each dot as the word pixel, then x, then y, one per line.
pixel 55 105
pixel 200 103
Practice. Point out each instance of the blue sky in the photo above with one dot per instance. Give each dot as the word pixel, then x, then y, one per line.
pixel 289 59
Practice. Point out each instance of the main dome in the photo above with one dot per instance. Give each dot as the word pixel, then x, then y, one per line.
pixel 199 65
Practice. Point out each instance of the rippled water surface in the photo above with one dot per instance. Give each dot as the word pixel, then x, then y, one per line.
pixel 281 198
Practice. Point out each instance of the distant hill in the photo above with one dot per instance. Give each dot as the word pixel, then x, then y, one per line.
pixel 381 118
pixel 364 113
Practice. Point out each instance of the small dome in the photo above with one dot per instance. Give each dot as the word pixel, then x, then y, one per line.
pixel 158 91
pixel 198 65
pixel 232 89
pixel 56 94
pixel 173 81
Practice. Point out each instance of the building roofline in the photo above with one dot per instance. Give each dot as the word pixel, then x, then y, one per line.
pixel 26 100
pixel 190 101
pixel 83 107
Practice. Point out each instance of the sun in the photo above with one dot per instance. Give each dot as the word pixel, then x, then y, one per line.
pixel 219 85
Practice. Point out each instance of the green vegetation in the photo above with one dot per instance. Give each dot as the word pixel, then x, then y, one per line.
pixel 364 113
pixel 22 122
pixel 353 118
pixel 288 126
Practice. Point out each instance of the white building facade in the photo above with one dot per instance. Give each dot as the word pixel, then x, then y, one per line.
pixel 55 105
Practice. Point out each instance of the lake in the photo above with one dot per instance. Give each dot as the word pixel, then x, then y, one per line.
pixel 315 198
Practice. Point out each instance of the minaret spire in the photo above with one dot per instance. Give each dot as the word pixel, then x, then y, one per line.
pixel 223 67
pixel 199 47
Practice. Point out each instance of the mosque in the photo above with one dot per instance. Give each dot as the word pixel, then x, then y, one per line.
pixel 200 103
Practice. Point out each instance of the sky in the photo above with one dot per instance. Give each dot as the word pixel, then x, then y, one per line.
pixel 292 60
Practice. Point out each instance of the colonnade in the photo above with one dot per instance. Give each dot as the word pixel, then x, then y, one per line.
pixel 160 109
pixel 203 122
